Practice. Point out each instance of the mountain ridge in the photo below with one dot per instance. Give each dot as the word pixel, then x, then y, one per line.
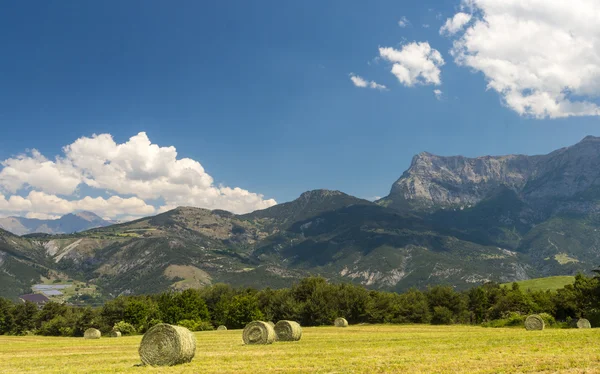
pixel 433 182
pixel 493 218
pixel 68 223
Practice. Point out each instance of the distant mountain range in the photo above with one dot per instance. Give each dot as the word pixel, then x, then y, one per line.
pixel 67 224
pixel 447 220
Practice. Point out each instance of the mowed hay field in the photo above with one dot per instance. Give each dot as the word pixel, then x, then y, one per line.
pixel 355 349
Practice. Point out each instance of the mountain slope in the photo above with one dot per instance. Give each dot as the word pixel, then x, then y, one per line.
pixel 69 223
pixel 448 220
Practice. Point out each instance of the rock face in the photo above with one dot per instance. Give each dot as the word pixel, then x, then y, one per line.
pixel 566 175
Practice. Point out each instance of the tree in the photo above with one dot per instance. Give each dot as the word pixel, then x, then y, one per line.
pixel 353 302
pixel 217 298
pixel 478 304
pixel 177 306
pixel 24 316
pixel 6 316
pixel 139 311
pixel 241 310
pixel 50 311
pixel 445 296
pixel 413 308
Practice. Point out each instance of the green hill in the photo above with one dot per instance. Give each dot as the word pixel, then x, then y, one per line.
pixel 544 284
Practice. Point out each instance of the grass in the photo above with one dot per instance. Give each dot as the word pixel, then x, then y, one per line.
pixel 545 284
pixel 356 349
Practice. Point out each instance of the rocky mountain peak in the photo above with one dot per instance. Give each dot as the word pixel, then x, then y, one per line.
pixel 444 181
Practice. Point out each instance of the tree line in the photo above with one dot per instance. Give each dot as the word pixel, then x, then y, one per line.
pixel 312 302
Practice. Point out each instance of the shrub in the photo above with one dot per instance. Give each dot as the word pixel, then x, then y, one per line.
pixel 548 320
pixel 150 324
pixel 195 325
pixel 510 319
pixel 125 328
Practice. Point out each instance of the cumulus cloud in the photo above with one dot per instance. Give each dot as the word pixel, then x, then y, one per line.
pixel 455 24
pixel 33 169
pixel 403 22
pixel 361 82
pixel 541 56
pixel 438 94
pixel 136 168
pixel 416 63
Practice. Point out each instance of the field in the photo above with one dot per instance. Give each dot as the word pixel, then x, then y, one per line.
pixel 356 349
pixel 544 284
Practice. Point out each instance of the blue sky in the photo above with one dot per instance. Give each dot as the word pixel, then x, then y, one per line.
pixel 259 93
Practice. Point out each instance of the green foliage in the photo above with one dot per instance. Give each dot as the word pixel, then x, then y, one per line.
pixel 6 316
pixel 313 301
pixel 447 306
pixel 196 325
pixel 241 310
pixel 549 320
pixel 57 326
pixel 178 306
pixel 511 319
pixel 125 328
pixel 149 325
pixel 24 316
pixel 86 319
pixel 442 316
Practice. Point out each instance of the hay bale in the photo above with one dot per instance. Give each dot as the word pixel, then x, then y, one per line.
pixel 258 332
pixel 581 323
pixel 340 322
pixel 115 334
pixel 221 328
pixel 288 331
pixel 167 345
pixel 92 334
pixel 271 323
pixel 534 322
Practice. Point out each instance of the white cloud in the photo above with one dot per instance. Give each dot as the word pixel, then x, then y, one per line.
pixel 136 168
pixel 438 94
pixel 542 56
pixel 361 82
pixel 37 171
pixel 455 24
pixel 415 63
pixel 40 204
pixel 425 25
pixel 41 216
pixel 403 22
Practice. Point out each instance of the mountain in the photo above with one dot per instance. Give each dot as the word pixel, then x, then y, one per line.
pixel 69 223
pixel 565 180
pixel 448 220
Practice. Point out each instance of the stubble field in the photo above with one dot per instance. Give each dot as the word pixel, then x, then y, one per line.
pixel 355 349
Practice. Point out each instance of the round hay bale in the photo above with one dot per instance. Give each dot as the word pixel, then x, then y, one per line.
pixel 534 322
pixel 115 334
pixel 92 334
pixel 221 328
pixel 167 345
pixel 258 332
pixel 340 322
pixel 271 323
pixel 288 331
pixel 581 323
